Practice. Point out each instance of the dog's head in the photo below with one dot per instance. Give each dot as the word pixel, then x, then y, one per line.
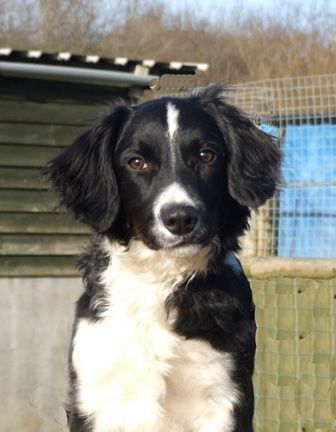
pixel 176 173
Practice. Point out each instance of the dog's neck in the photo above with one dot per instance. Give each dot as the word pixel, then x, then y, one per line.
pixel 158 266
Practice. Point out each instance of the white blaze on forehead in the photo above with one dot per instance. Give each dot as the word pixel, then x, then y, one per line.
pixel 172 128
pixel 172 120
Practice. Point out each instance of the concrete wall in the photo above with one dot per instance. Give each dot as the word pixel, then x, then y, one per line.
pixel 35 329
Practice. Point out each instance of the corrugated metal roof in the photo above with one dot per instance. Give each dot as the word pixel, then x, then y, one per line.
pixel 118 64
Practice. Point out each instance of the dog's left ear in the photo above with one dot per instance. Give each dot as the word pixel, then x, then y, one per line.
pixel 83 174
pixel 254 157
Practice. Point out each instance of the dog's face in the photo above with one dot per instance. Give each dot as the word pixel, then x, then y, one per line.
pixel 176 173
pixel 170 165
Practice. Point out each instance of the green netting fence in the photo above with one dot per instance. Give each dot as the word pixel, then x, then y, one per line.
pixel 295 375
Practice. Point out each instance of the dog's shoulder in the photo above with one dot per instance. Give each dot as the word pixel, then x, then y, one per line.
pixel 216 306
pixel 92 263
pixel 232 263
pixel 234 279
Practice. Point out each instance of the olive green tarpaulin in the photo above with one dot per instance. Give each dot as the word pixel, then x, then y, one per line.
pixel 295 374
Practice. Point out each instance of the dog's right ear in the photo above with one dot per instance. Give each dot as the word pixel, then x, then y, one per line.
pixel 83 174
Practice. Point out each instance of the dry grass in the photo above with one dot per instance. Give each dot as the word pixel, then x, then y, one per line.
pixel 240 44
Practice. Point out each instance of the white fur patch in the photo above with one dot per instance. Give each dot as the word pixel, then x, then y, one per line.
pixel 173 126
pixel 134 373
pixel 172 120
pixel 201 394
pixel 171 195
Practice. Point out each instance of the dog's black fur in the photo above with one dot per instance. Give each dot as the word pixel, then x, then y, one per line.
pixel 96 183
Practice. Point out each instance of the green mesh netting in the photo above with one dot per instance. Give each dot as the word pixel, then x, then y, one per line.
pixel 295 375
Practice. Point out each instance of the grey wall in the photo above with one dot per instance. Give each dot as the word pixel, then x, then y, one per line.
pixel 35 329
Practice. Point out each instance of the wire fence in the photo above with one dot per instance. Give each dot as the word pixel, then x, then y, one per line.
pixel 300 221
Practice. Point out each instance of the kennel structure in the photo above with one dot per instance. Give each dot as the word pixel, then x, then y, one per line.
pixel 295 297
pixel 289 256
pixel 300 221
pixel 46 100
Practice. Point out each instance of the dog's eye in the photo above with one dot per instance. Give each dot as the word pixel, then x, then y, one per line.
pixel 206 156
pixel 138 164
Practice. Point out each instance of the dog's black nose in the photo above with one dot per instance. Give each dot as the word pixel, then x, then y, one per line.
pixel 179 220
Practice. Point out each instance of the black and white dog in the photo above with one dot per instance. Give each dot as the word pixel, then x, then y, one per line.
pixel 164 335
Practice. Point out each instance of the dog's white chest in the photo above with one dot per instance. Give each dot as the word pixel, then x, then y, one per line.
pixel 136 375
pixel 141 379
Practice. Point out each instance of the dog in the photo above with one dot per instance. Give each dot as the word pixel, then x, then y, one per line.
pixel 164 334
